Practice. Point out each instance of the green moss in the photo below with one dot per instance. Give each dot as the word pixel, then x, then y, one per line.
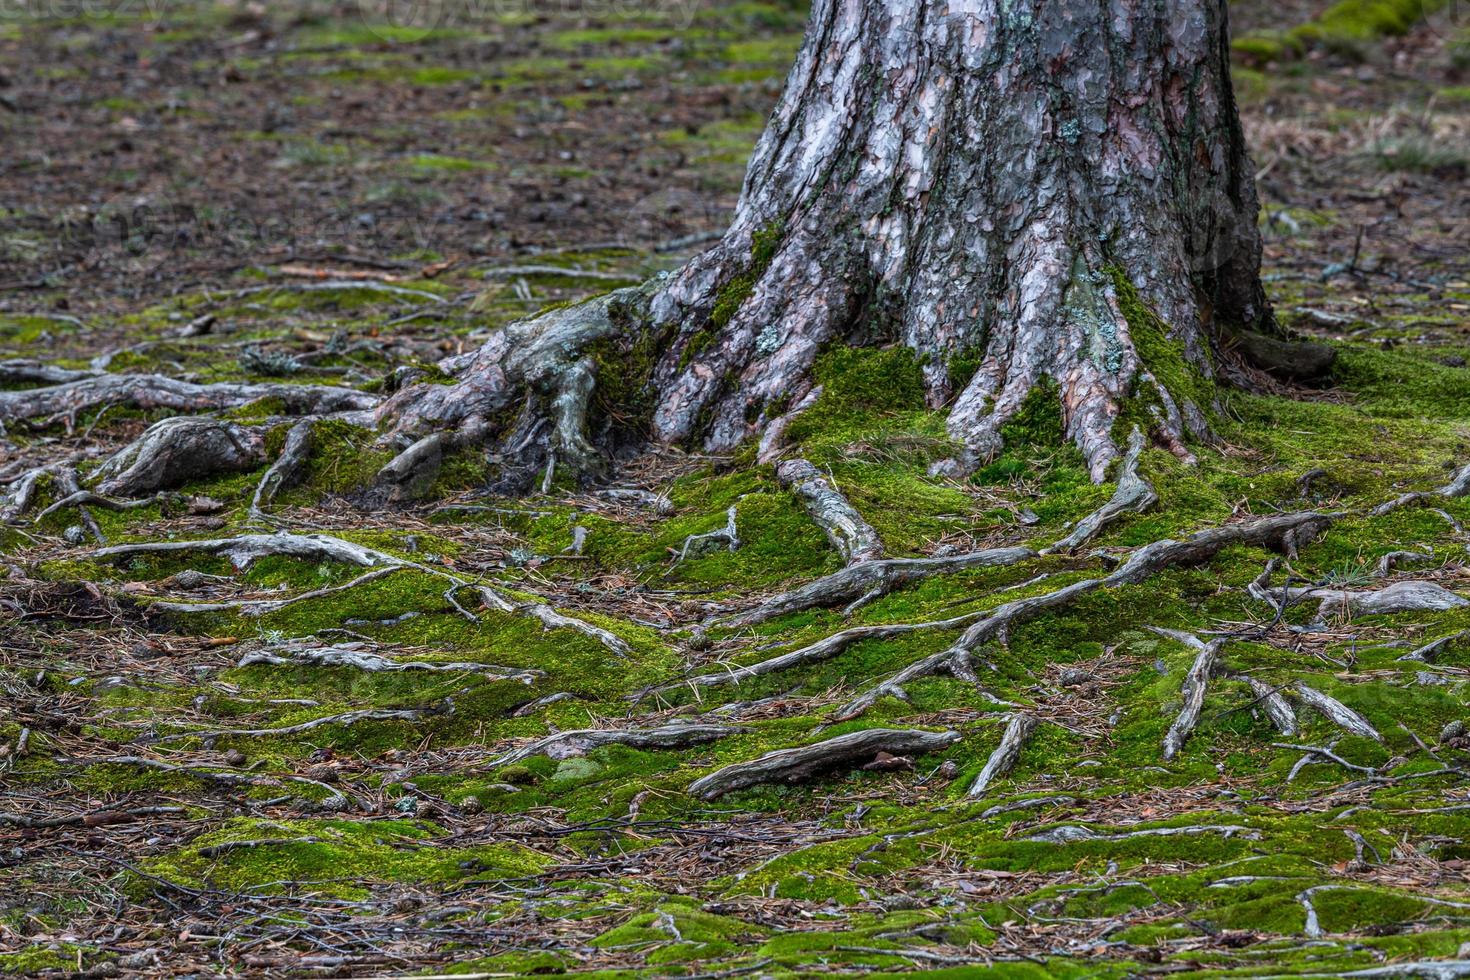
pixel 1162 356
pixel 763 247
pixel 333 856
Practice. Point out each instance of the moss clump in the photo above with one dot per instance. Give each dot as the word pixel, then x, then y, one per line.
pixel 332 855
pixel 1162 356
pixel 763 246
pixel 1343 28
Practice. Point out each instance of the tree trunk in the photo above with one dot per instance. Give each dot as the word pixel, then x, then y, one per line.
pixel 1058 190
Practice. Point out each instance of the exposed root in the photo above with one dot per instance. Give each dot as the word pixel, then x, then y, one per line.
pixel 151 391
pixel 23 492
pixel 1003 759
pixel 564 745
pixel 1336 712
pixel 525 393
pixel 1277 708
pixel 245 549
pixel 1282 531
pixel 656 502
pixel 261 607
pixel 354 656
pixel 1192 693
pixel 339 285
pixel 698 544
pixel 289 467
pixel 28 372
pixel 839 519
pixel 797 764
pixel 871 580
pixel 550 618
pixel 1430 650
pixel 176 450
pixel 412 472
pixel 242 551
pixel 1133 495
pixel 1399 597
pixel 824 649
pixel 773 437
pixel 86 498
pixel 1320 752
pixel 1459 486
pixel 345 718
pixel 1074 833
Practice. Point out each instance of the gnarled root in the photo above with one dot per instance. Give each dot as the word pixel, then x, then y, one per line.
pixel 1281 531
pixel 1003 759
pixel 1336 712
pixel 526 394
pixel 1133 495
pixel 870 580
pixel 563 745
pixel 1192 693
pixel 176 450
pixel 150 391
pixel 245 549
pixel 795 765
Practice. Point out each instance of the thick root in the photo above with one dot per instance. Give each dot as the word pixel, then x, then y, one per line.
pixel 151 391
pixel 177 450
pixel 1133 495
pixel 839 519
pixel 564 745
pixel 798 764
pixel 1003 759
pixel 865 582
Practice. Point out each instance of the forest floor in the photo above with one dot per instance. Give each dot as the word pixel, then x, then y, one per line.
pixel 298 766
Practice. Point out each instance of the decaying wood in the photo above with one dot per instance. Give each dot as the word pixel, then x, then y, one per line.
pixel 849 533
pixel 563 745
pixel 1336 712
pixel 1192 694
pixel 1003 759
pixel 797 764
pixel 870 580
pixel 1134 494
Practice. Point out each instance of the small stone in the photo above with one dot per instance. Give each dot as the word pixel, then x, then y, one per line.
pixel 1454 730
pixel 948 769
pixel 235 757
pixel 74 534
pixel 1074 677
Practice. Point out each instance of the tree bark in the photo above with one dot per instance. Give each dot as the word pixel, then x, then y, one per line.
pixel 1030 186
pixel 1056 191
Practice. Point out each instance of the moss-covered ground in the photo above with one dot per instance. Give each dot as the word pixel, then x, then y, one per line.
pixel 142 833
